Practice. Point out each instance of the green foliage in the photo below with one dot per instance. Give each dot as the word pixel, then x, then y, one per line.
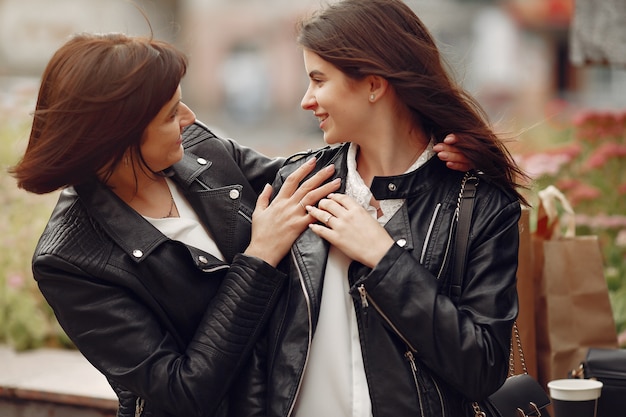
pixel 26 321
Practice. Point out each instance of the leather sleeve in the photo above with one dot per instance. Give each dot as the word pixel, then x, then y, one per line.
pixel 122 338
pixel 249 396
pixel 466 344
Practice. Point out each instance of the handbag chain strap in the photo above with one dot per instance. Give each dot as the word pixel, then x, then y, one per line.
pixel 464 210
pixel 518 341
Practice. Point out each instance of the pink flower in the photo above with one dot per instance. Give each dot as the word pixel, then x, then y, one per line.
pixel 594 126
pixel 601 221
pixel 15 281
pixel 544 164
pixel 551 161
pixel 582 192
pixel 620 240
pixel 621 339
pixel 565 184
pixel 603 153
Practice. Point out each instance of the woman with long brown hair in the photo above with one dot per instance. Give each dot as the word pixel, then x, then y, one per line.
pixel 370 325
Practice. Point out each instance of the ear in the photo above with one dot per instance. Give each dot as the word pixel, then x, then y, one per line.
pixel 377 87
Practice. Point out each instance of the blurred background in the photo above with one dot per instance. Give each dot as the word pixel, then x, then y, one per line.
pixel 246 75
pixel 548 72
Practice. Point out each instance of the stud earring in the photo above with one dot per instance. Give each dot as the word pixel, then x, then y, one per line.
pixel 372 97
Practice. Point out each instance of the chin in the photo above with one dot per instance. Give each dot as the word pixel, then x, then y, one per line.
pixel 330 140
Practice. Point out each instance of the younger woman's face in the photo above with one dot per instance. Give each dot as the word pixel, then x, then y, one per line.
pixel 340 103
pixel 161 144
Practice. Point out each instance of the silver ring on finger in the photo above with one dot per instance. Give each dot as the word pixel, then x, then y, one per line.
pixel 330 216
pixel 302 205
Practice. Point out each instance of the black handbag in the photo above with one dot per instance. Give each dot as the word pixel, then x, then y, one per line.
pixel 609 367
pixel 520 395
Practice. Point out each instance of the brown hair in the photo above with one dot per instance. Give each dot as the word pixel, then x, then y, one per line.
pixel 386 38
pixel 97 95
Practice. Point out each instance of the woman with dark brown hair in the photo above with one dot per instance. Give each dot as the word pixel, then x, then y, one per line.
pixel 156 260
pixel 370 325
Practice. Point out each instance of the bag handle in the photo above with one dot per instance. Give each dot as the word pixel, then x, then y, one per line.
pixel 464 210
pixel 520 351
pixel 463 214
pixel 548 220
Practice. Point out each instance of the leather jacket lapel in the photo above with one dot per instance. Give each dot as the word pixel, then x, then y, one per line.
pixel 134 234
pixel 217 202
pixel 311 267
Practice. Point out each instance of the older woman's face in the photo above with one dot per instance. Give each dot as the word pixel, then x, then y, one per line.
pixel 161 145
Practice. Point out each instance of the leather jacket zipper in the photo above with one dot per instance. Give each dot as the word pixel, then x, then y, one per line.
pixel 310 333
pixel 366 300
pixel 430 229
pixel 409 355
pixel 364 305
pixel 139 405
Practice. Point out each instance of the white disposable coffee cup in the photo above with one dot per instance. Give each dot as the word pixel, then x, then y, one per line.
pixel 575 397
pixel 575 389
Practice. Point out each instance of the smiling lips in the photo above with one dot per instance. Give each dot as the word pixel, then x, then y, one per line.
pixel 321 118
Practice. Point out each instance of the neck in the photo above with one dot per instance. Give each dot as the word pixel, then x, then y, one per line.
pixel 133 183
pixel 391 156
pixel 147 193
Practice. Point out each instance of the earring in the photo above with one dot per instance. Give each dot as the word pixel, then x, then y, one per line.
pixel 372 97
pixel 126 161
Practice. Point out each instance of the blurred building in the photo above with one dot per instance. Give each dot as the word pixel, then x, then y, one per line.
pixel 246 74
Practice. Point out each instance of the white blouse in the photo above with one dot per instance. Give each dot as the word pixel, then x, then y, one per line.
pixel 187 227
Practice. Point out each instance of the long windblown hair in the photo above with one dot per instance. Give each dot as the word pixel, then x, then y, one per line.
pixel 386 38
pixel 98 93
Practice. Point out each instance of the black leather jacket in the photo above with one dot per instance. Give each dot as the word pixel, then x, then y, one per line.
pixel 169 325
pixel 423 355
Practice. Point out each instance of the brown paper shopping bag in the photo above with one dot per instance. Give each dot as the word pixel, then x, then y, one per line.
pixel 572 309
pixel 526 293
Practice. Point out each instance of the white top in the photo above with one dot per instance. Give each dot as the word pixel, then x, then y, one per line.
pixel 186 228
pixel 334 382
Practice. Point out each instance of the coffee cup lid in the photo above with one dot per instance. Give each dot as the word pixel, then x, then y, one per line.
pixel 575 389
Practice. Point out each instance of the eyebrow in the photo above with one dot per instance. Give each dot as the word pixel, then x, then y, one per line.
pixel 315 73
pixel 175 105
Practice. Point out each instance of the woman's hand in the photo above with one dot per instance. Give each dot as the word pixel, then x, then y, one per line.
pixel 451 155
pixel 350 228
pixel 276 226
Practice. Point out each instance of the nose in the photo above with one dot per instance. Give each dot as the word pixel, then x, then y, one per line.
pixel 308 101
pixel 187 116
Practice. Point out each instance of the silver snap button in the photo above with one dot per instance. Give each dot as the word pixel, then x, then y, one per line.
pixel 392 186
pixel 233 194
pixel 401 242
pixel 201 161
pixel 137 253
pixel 203 259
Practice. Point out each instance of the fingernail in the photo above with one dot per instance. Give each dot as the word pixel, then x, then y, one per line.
pixel 330 167
pixel 311 161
